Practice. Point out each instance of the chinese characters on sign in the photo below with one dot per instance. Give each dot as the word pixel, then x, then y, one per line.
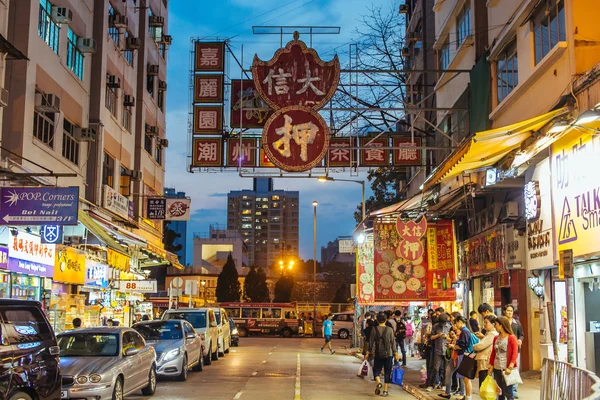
pixel 208 120
pixel 531 196
pixel 408 153
pixel 116 202
pixel 27 254
pixel 156 208
pixel 209 56
pixel 243 153
pixel 248 109
pixel 441 273
pixel 207 152
pixel 340 154
pixel 376 153
pixel 178 209
pixel 208 88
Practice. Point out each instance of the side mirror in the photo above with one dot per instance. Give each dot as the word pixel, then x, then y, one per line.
pixel 132 351
pixel 191 336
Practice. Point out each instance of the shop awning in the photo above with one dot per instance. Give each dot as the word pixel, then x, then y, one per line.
pixel 488 147
pixel 174 260
pixel 99 233
pixel 12 53
pixel 121 234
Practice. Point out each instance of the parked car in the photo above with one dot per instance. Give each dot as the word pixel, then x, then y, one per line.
pixel 105 363
pixel 343 324
pixel 235 335
pixel 177 346
pixel 28 348
pixel 224 338
pixel 205 324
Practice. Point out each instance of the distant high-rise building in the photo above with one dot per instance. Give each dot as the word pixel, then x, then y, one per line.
pixel 179 227
pixel 268 221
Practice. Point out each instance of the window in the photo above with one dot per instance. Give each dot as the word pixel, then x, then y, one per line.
pixel 74 56
pixel 108 170
pixel 70 149
pixel 128 53
pixel 155 31
pixel 250 312
pixel 113 32
pixel 127 118
pixel 43 127
pixel 88 345
pixel 132 340
pixel 196 318
pixel 110 100
pixel 125 182
pixel 507 77
pixel 150 84
pixel 246 226
pixel 24 325
pixel 161 100
pixel 148 143
pixel 48 30
pixel 274 198
pixel 463 24
pixel 233 312
pixel 158 154
pixel 271 313
pixel 444 55
pixel 549 28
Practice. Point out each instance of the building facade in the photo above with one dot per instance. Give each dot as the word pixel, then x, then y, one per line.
pixel 180 227
pixel 268 220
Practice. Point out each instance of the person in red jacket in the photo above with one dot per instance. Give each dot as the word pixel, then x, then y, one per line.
pixel 504 356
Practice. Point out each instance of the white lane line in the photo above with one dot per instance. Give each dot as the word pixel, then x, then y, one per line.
pixel 254 373
pixel 238 395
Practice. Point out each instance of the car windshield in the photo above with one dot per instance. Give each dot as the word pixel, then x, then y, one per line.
pixel 196 318
pixel 160 330
pixel 88 345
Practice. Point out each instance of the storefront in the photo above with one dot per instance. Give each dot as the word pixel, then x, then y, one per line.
pixel 4 276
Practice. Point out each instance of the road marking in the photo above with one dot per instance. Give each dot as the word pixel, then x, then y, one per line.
pixel 254 373
pixel 238 395
pixel 298 373
pixel 264 361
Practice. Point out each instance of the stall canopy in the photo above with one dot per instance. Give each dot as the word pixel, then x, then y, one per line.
pixel 100 233
pixel 488 147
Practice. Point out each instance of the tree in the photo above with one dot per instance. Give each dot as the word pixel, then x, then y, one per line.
pixel 283 289
pixel 342 294
pixel 255 286
pixel 169 237
pixel 228 285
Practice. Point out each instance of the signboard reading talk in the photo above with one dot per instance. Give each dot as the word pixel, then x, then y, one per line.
pixel 39 206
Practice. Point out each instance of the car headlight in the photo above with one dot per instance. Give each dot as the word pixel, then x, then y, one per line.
pixel 171 355
pixel 81 379
pixel 234 332
pixel 94 378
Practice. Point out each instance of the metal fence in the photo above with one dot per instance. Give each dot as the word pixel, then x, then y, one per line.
pixel 563 381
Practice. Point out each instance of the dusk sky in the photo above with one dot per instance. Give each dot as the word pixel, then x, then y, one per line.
pixel 234 19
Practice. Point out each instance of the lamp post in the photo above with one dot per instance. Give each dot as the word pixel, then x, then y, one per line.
pixel 362 183
pixel 314 203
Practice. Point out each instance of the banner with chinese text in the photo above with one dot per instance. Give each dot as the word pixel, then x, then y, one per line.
pixel 442 262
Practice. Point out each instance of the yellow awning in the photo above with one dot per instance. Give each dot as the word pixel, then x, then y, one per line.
pixel 488 147
pixel 97 231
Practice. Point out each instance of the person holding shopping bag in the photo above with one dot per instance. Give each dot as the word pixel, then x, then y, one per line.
pixel 484 347
pixel 382 345
pixel 503 358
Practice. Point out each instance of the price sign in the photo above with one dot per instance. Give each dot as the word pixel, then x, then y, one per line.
pixel 138 286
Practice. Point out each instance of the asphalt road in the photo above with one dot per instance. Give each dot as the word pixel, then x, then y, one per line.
pixel 271 368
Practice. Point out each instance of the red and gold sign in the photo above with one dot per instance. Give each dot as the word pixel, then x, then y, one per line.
pixel 264 159
pixel 243 153
pixel 296 75
pixel 295 138
pixel 208 120
pixel 376 154
pixel 340 154
pixel 365 272
pixel 442 271
pixel 408 153
pixel 207 152
pixel 248 109
pixel 209 56
pixel 208 88
pixel 400 262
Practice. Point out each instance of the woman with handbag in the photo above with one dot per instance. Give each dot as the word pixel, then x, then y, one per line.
pixel 463 342
pixel 484 347
pixel 503 360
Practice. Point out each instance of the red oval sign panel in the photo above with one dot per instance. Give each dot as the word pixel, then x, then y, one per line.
pixel 295 138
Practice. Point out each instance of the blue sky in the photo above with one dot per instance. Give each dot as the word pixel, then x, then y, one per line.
pixel 234 19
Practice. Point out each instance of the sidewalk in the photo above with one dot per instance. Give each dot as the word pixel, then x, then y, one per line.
pixel 529 390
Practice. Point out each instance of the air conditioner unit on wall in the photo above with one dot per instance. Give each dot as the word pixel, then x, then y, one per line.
pixel 162 85
pixel 151 130
pixel 132 43
pixel 405 51
pixel 129 100
pixel 86 45
pixel 403 9
pixel 136 175
pixel 509 212
pixel 113 81
pixel 49 103
pixel 163 142
pixel 61 15
pixel 118 21
pixel 85 134
pixel 166 39
pixel 153 69
pixel 413 36
pixel 156 20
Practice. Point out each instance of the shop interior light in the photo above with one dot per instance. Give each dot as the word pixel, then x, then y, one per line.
pixel 539 290
pixel 360 239
pixel 588 116
pixel 532 281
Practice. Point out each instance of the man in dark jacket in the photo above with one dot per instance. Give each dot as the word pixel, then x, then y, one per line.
pixel 382 345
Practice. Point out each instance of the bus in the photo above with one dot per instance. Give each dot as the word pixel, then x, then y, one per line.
pixel 271 318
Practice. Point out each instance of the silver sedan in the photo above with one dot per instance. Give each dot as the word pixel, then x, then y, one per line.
pixel 105 363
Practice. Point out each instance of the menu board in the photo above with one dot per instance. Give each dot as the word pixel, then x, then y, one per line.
pixel 442 261
pixel 365 271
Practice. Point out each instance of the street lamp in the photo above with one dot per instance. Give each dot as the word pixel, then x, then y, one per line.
pixel 314 203
pixel 362 183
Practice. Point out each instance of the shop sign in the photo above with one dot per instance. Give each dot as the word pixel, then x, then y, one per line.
pixel 178 209
pixel 51 234
pixel 345 246
pixel 248 109
pixel 340 153
pixel 116 202
pixel 515 247
pixel 28 247
pixel 241 154
pixel 96 274
pixel 365 273
pixel 374 152
pixel 209 56
pixel 138 286
pixel 408 152
pixel 295 138
pixel 400 260
pixel 156 207
pixel 540 244
pixel 118 260
pixel 69 266
pixel 441 248
pixel 208 120
pixel 531 195
pixel 485 253
pixel 207 152
pixel 576 193
pixel 3 258
pixel 39 206
pixel 208 88
pixel 565 264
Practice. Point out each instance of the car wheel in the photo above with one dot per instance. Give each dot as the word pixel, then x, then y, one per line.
pixel 215 355
pixel 208 358
pixel 287 333
pixel 20 396
pixel 200 365
pixel 343 334
pixel 242 332
pixel 228 346
pixel 151 387
pixel 118 390
pixel 184 369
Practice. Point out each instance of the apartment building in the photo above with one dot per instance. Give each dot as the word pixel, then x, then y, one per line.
pixel 268 220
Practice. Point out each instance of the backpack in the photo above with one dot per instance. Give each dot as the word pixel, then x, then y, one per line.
pixel 380 350
pixel 409 328
pixel 474 340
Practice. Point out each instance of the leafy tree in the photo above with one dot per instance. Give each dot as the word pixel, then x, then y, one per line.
pixel 385 187
pixel 169 237
pixel 228 285
pixel 255 286
pixel 342 294
pixel 283 289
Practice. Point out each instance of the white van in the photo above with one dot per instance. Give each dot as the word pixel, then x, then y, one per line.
pixel 204 322
pixel 224 337
pixel 343 324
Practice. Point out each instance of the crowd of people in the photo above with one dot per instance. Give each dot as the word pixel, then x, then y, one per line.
pixel 444 339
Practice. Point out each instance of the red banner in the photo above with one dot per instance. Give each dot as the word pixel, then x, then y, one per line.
pixel 248 110
pixel 208 88
pixel 376 154
pixel 207 152
pixel 365 272
pixel 243 153
pixel 209 56
pixel 442 271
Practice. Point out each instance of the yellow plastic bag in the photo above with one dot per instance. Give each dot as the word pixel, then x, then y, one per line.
pixel 489 389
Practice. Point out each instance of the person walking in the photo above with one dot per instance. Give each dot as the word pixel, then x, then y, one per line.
pixel 504 356
pixel 400 331
pixel 439 334
pixel 382 345
pixel 517 329
pixel 327 332
pixel 409 342
pixel 484 348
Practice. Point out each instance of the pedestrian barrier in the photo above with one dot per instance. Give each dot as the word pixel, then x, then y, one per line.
pixel 563 381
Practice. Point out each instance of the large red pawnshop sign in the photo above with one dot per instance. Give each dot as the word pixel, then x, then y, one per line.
pixel 295 83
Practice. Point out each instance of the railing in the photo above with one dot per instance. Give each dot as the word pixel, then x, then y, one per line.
pixel 563 381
